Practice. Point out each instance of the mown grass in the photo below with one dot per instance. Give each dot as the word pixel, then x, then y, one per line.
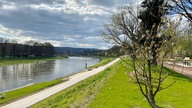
pixel 103 62
pixel 80 94
pixel 11 61
pixel 121 91
pixel 18 93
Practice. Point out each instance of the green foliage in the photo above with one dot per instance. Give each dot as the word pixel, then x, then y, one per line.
pixel 152 19
pixel 151 15
pixel 186 45
pixel 18 93
pixel 115 51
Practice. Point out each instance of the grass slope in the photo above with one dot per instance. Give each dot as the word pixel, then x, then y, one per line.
pixel 18 93
pixel 11 61
pixel 103 62
pixel 121 92
pixel 113 88
pixel 80 94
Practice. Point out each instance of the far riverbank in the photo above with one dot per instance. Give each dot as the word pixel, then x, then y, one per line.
pixel 12 61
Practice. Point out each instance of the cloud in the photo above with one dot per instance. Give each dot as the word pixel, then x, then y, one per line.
pixel 71 23
pixel 105 3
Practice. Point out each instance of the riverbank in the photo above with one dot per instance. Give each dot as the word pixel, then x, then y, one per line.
pixel 103 61
pixel 114 88
pixel 30 100
pixel 80 94
pixel 11 61
pixel 22 92
pixel 25 91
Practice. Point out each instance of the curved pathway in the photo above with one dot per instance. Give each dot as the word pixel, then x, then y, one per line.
pixel 187 71
pixel 37 97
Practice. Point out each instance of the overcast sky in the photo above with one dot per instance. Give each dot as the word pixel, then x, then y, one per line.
pixel 66 23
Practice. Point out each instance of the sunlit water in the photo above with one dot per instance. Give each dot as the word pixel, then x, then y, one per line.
pixel 19 75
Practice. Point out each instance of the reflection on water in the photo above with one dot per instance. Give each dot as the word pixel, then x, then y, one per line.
pixel 19 75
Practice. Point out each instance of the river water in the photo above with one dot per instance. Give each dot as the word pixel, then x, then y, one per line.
pixel 15 76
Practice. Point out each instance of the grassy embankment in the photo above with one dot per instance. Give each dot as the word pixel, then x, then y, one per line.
pixel 15 94
pixel 121 92
pixel 22 92
pixel 11 61
pixel 103 62
pixel 113 88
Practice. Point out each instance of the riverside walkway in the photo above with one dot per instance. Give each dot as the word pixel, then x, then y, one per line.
pixel 185 70
pixel 39 96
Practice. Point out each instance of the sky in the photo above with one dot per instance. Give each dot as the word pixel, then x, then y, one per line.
pixel 64 23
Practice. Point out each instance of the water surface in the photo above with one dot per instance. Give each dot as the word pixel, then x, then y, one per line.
pixel 19 75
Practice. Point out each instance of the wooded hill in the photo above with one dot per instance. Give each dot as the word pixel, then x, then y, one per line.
pixel 75 51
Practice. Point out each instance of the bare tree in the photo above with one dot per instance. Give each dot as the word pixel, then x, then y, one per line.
pixel 183 7
pixel 13 49
pixel 3 46
pixel 31 47
pixel 124 30
pixel 48 49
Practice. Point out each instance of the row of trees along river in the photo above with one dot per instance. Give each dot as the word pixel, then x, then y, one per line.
pixel 10 48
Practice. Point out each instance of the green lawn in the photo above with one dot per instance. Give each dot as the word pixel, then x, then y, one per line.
pixel 113 88
pixel 121 92
pixel 80 94
pixel 18 93
pixel 103 62
pixel 10 61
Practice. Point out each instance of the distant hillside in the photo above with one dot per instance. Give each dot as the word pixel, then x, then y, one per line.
pixel 75 51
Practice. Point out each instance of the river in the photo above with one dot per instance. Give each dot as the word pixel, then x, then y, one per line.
pixel 19 75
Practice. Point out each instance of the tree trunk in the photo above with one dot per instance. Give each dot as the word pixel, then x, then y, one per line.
pixel 3 52
pixel 152 103
pixel 154 55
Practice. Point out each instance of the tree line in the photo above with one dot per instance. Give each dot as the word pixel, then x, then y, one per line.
pixel 12 49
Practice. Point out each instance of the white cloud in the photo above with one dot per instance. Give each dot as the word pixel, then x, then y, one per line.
pixel 70 23
pixel 8 7
pixel 71 6
pixel 16 35
pixel 86 18
pixel 86 45
pixel 9 32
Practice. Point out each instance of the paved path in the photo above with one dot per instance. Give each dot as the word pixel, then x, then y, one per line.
pixel 37 97
pixel 187 71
